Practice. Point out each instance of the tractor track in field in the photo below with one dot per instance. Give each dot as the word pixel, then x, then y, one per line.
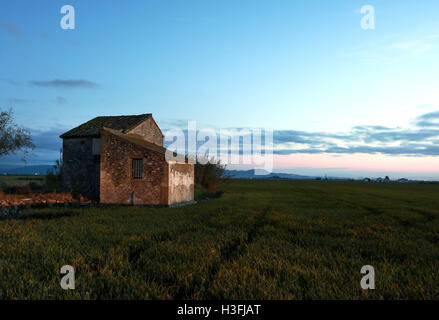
pixel 228 251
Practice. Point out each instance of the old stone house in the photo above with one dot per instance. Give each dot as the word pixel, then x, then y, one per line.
pixel 121 160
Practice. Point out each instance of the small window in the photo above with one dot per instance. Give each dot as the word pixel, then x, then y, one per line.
pixel 137 168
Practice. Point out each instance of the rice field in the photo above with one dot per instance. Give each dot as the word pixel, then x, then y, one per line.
pixel 272 239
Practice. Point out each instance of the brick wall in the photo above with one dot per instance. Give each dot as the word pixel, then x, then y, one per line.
pixel 149 131
pixel 80 172
pixel 116 182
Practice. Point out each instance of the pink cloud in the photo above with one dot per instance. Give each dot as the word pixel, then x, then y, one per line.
pixel 363 162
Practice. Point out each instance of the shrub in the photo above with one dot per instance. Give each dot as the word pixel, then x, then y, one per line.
pixel 209 173
pixel 24 190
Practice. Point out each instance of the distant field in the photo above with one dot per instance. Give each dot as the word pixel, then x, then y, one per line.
pixel 20 180
pixel 260 240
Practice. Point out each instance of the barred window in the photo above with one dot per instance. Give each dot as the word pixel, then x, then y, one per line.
pixel 137 168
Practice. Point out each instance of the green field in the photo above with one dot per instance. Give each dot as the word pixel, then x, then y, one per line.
pixel 20 180
pixel 259 240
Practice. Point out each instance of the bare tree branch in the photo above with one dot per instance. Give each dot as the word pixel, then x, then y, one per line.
pixel 13 138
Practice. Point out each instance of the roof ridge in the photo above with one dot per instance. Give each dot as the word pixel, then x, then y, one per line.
pixel 125 115
pixel 92 127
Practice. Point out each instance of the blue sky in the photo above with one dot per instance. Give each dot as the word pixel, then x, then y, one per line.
pixel 305 69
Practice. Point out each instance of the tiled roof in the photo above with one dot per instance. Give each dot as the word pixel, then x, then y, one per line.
pixel 93 127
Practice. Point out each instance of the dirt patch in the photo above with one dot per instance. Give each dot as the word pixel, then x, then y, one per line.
pixel 39 198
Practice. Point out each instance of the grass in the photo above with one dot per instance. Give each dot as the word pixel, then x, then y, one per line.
pixel 20 180
pixel 26 184
pixel 259 240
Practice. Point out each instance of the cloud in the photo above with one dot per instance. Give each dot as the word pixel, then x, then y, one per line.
pixel 60 100
pixel 417 46
pixel 384 51
pixel 19 100
pixel 419 141
pixel 430 119
pixel 430 116
pixel 406 150
pixel 48 140
pixel 47 148
pixel 69 84
pixel 12 82
pixel 11 29
pixel 415 141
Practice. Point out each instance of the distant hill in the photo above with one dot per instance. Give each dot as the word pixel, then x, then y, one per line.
pixel 39 169
pixel 252 174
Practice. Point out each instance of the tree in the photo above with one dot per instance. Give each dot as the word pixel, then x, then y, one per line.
pixel 53 175
pixel 13 137
pixel 209 173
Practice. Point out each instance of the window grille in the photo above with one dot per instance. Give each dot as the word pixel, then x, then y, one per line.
pixel 137 168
